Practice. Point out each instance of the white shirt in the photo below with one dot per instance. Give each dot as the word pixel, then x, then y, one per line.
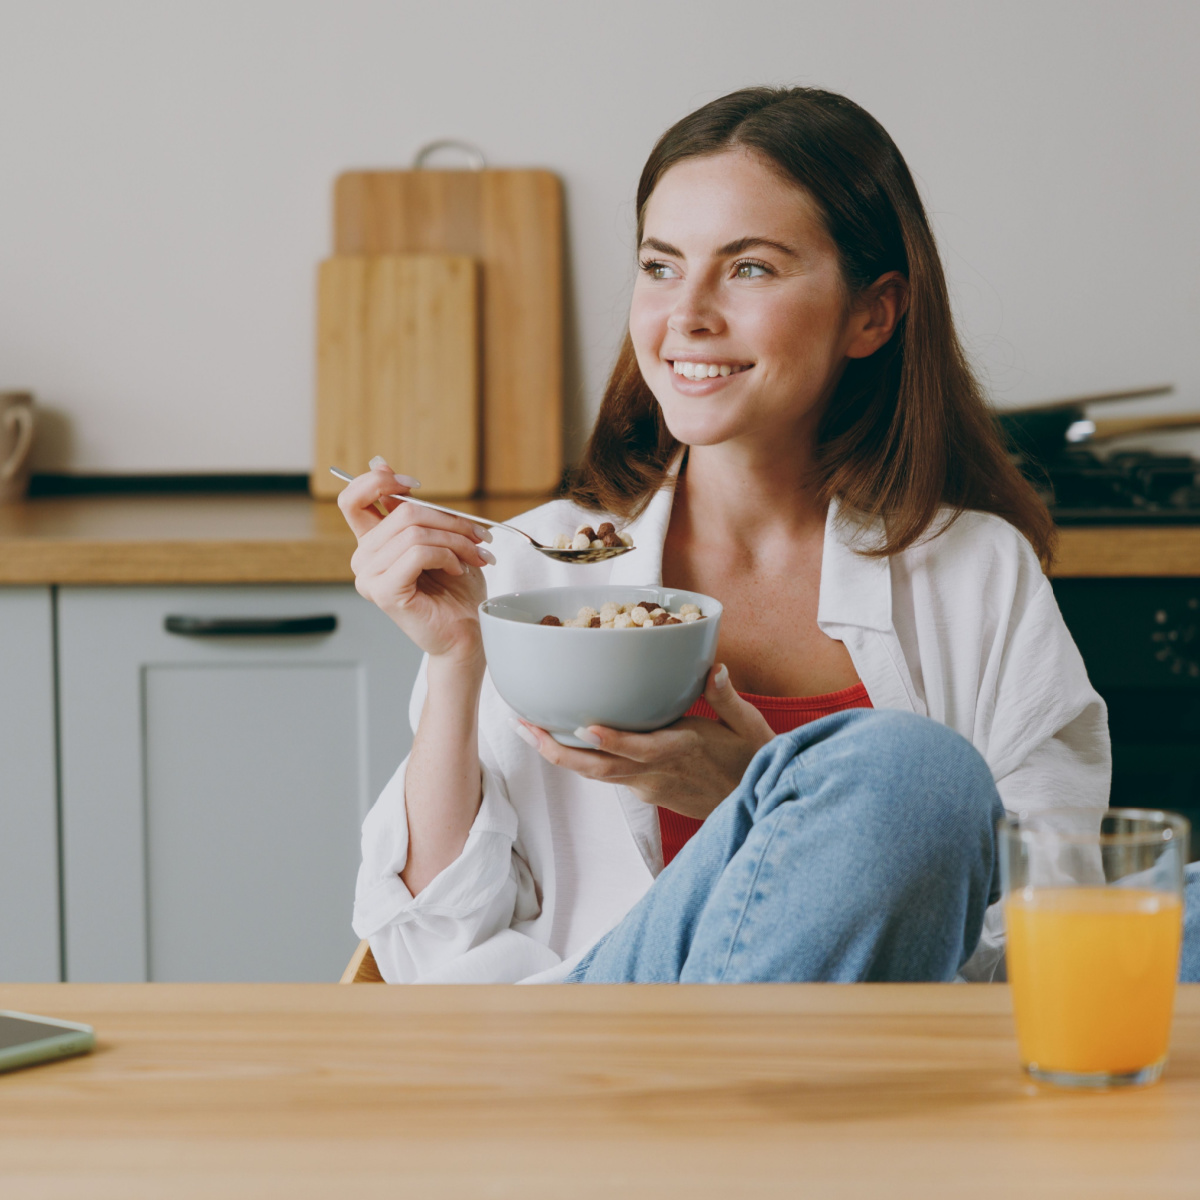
pixel 962 627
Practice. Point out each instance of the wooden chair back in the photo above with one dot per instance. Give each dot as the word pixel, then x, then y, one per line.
pixel 362 968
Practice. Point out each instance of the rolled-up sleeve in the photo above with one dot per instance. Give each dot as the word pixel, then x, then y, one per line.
pixel 445 931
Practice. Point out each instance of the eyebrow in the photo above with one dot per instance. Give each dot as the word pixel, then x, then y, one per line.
pixel 736 247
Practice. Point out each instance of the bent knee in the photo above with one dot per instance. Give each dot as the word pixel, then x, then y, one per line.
pixel 897 767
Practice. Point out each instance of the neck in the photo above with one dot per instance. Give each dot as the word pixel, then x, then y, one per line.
pixel 747 493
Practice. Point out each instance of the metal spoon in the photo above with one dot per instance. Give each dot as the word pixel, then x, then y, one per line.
pixel 591 555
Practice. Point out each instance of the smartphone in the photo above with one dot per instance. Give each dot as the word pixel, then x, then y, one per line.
pixel 26 1039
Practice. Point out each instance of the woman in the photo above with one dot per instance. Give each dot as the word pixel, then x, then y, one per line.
pixel 791 426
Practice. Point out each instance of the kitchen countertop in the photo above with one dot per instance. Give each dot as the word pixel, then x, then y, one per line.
pixel 273 538
pixel 316 1090
pixel 225 538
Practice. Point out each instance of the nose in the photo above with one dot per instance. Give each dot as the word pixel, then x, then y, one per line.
pixel 696 308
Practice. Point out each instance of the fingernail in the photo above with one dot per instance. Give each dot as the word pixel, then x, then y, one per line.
pixel 407 481
pixel 586 735
pixel 721 678
pixel 378 463
pixel 523 733
pixel 482 532
pixel 486 555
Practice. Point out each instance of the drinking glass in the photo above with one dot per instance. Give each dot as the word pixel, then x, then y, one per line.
pixel 1093 902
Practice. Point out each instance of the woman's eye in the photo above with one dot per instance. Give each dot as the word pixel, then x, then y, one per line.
pixel 751 270
pixel 658 270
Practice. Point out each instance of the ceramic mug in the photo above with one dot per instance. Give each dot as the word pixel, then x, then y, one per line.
pixel 16 440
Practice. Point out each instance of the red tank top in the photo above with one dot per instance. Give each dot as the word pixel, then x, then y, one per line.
pixel 783 714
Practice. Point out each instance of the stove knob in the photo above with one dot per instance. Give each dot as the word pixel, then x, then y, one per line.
pixel 1177 639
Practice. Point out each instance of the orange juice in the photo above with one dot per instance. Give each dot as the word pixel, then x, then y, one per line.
pixel 1093 976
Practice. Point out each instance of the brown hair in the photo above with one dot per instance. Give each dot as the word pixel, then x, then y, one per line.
pixel 907 429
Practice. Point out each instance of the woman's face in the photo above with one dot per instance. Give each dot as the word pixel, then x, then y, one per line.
pixel 740 284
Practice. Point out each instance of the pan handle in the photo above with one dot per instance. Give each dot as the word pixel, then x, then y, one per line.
pixel 474 155
pixel 1111 427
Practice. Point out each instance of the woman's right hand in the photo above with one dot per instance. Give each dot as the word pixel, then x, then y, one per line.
pixel 418 565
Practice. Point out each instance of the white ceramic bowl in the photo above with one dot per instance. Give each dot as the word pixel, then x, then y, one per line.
pixel 560 679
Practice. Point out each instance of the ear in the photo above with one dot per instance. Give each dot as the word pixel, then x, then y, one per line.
pixel 876 314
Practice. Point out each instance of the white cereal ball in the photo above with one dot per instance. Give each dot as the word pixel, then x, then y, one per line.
pixel 562 541
pixel 688 617
pixel 580 542
pixel 648 624
pixel 597 545
pixel 626 538
pixel 624 608
pixel 638 615
pixel 607 624
pixel 684 609
pixel 608 610
pixel 623 621
pixel 586 613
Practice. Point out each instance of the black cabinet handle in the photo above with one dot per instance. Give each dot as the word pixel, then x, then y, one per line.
pixel 250 626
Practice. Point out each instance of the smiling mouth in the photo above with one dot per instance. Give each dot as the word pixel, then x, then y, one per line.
pixel 700 370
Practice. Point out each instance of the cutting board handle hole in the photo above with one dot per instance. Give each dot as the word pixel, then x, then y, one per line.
pixel 475 159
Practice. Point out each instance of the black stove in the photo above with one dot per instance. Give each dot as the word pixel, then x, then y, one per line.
pixel 1132 488
pixel 1139 637
pixel 1140 641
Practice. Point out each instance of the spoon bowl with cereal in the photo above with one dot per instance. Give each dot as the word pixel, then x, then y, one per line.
pixel 585 545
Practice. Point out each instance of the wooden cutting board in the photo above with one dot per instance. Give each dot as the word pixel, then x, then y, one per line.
pixel 511 223
pixel 398 369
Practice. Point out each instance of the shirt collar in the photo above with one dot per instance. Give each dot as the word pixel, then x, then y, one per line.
pixel 855 589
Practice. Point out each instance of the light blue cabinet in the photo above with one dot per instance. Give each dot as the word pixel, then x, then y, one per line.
pixel 29 927
pixel 214 780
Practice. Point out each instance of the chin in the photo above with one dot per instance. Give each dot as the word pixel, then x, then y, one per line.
pixel 699 429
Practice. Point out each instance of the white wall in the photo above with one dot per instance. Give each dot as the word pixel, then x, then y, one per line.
pixel 165 173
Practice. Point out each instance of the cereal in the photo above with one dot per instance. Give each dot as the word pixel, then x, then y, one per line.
pixel 646 614
pixel 585 537
pixel 608 535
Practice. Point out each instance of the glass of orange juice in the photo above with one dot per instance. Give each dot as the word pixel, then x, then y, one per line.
pixel 1093 902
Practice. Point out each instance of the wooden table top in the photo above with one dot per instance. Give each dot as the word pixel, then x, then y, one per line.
pixel 323 1090
pixel 273 538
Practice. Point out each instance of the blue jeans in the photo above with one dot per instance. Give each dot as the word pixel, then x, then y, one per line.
pixel 1189 958
pixel 859 847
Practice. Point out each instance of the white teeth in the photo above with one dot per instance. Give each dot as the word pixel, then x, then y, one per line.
pixel 691 370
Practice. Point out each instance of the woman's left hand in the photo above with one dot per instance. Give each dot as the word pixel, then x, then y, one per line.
pixel 689 767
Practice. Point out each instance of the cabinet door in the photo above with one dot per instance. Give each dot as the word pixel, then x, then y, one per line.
pixel 29 935
pixel 213 786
